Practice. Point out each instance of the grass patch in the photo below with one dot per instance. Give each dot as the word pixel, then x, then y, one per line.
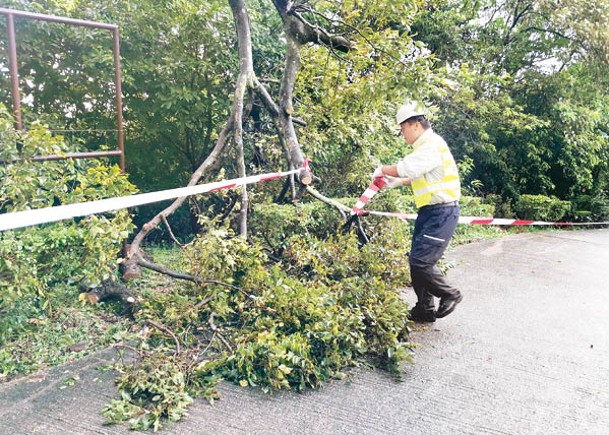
pixel 40 334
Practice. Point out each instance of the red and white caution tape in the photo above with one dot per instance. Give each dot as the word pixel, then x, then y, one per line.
pixel 470 220
pixel 380 182
pixel 21 219
pixel 520 222
pixel 377 184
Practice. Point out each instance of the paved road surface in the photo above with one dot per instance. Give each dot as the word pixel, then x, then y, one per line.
pixel 527 352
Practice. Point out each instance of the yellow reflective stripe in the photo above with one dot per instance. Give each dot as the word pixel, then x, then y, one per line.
pixel 418 183
pixel 441 186
pixel 420 201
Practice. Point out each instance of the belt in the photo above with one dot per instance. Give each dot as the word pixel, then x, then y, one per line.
pixel 444 204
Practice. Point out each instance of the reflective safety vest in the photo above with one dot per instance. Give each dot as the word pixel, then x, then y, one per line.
pixel 441 183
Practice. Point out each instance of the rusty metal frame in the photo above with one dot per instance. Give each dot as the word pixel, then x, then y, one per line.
pixel 12 46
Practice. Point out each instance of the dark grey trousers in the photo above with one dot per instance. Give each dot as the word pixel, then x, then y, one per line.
pixel 434 227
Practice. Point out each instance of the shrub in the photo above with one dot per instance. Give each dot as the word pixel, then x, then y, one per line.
pixel 591 208
pixel 600 207
pixel 290 323
pixel 85 249
pixel 542 208
pixel 476 206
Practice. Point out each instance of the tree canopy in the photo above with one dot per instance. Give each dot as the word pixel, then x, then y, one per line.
pixel 517 87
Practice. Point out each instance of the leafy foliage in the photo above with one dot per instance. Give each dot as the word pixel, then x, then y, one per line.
pixel 292 323
pixel 529 115
pixel 32 260
pixel 593 208
pixel 348 100
pixel 292 319
pixel 152 389
pixel 274 224
pixel 543 208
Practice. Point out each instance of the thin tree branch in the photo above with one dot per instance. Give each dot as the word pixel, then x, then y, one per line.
pixel 361 35
pixel 134 258
pixel 211 340
pixel 214 328
pixel 165 271
pixel 167 331
pixel 343 209
pixel 173 237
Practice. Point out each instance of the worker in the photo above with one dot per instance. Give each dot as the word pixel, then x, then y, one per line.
pixel 432 173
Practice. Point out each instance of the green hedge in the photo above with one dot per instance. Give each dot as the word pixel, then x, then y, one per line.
pixel 542 208
pixel 476 206
pixel 589 208
pixel 275 224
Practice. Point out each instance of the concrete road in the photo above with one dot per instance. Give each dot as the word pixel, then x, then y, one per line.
pixel 527 352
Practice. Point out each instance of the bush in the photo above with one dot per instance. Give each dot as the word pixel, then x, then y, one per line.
pixel 599 207
pixel 33 259
pixel 290 323
pixel 274 224
pixel 591 208
pixel 541 208
pixel 476 206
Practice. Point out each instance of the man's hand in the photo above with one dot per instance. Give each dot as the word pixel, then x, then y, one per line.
pixel 394 182
pixel 378 172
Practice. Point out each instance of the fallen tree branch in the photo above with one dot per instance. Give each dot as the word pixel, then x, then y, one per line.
pixel 110 289
pixel 167 331
pixel 166 271
pixel 133 257
pixel 343 209
pixel 173 237
pixel 214 328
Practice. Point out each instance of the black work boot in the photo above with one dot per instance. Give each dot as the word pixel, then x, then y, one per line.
pixel 420 315
pixel 448 305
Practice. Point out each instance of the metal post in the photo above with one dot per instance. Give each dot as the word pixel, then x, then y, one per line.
pixel 10 14
pixel 12 56
pixel 56 19
pixel 119 97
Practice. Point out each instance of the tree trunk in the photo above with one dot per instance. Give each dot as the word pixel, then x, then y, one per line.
pixel 298 31
pixel 246 79
pixel 134 257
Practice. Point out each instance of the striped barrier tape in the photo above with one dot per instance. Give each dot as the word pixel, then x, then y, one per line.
pixel 21 219
pixel 380 182
pixel 471 220
pixel 377 184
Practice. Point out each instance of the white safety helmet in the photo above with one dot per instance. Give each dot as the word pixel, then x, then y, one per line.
pixel 408 111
